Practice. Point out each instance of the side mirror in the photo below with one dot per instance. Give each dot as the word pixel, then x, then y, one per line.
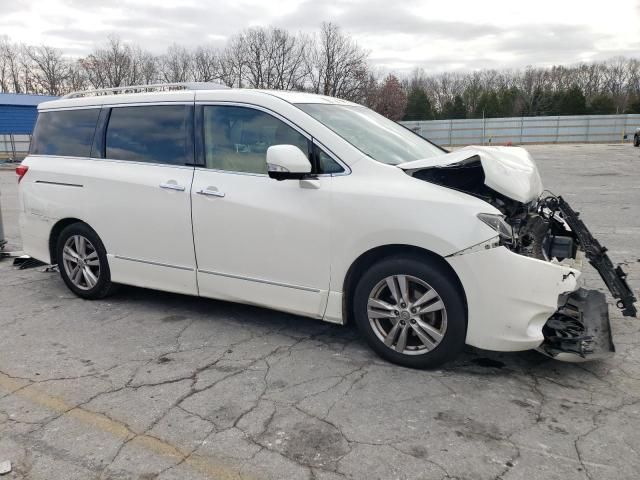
pixel 287 162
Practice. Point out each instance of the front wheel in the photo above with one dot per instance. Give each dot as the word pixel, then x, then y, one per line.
pixel 82 261
pixel 636 141
pixel 411 312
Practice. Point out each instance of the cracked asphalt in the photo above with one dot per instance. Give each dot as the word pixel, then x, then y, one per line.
pixel 150 385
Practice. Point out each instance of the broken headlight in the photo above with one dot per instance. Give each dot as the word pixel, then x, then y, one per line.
pixel 498 223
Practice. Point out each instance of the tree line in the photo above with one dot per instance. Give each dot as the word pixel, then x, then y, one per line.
pixel 599 88
pixel 329 62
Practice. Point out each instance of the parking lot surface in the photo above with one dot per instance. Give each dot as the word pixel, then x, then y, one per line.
pixel 150 385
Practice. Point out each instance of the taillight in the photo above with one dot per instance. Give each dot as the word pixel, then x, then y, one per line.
pixel 21 170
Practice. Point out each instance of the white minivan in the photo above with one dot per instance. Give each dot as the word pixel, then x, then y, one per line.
pixel 315 206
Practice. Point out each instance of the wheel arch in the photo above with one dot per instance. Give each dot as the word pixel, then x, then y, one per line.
pixel 55 232
pixel 370 257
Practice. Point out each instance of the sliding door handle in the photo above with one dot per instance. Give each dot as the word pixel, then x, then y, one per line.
pixel 172 186
pixel 209 191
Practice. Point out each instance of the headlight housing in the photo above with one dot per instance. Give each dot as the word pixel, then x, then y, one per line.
pixel 499 224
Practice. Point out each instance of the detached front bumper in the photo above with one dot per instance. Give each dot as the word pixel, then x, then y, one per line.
pixel 580 329
pixel 510 297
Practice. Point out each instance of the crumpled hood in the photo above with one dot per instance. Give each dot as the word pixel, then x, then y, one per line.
pixel 510 171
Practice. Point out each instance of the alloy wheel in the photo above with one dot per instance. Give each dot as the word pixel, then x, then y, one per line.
pixel 407 314
pixel 81 262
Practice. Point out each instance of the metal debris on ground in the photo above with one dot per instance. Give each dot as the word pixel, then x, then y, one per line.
pixel 25 261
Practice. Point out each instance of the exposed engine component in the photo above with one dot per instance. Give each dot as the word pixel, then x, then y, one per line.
pixel 531 236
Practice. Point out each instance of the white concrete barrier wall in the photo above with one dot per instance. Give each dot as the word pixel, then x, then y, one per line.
pixel 526 130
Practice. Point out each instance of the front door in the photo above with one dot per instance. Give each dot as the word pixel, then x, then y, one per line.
pixel 258 240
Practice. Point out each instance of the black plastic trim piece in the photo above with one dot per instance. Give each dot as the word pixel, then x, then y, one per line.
pixel 614 277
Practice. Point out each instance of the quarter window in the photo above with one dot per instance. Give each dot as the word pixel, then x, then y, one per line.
pixel 67 133
pixel 237 138
pixel 326 164
pixel 155 134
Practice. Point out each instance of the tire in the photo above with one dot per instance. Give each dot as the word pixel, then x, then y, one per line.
pixel 636 140
pixel 83 243
pixel 430 286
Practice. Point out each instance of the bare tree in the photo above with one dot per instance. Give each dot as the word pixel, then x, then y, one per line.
pixel 616 78
pixel 12 64
pixel 51 71
pixel 272 58
pixel 76 77
pixel 329 62
pixel 337 65
pixel 176 65
pixel 206 64
pixel 109 66
pixel 233 63
pixel 144 67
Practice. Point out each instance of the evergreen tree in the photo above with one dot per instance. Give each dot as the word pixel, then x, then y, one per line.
pixel 572 102
pixel 488 105
pixel 418 105
pixel 634 107
pixel 602 105
pixel 455 109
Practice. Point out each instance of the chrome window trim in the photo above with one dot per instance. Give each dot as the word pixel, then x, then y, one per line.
pixel 232 172
pixel 259 280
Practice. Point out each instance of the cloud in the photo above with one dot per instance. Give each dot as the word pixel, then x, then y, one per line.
pixel 379 17
pixel 400 35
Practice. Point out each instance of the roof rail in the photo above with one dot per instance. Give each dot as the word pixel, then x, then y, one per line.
pixel 155 87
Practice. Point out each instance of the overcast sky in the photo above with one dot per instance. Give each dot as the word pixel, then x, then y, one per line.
pixel 400 34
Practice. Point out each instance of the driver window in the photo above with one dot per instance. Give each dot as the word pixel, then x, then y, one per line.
pixel 236 139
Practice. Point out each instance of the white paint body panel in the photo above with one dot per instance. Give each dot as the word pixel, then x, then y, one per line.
pixel 265 242
pixel 510 297
pixel 123 202
pixel 288 245
pixel 510 171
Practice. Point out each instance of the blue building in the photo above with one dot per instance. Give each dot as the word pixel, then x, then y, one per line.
pixel 18 112
pixel 17 118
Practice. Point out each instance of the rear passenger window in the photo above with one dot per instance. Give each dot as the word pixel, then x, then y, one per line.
pixel 67 133
pixel 155 134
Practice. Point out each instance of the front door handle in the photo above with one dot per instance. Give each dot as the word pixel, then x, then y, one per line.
pixel 211 192
pixel 172 186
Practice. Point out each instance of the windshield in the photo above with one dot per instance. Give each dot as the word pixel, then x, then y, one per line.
pixel 371 133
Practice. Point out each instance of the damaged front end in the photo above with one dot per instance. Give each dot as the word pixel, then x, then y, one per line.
pixel 541 226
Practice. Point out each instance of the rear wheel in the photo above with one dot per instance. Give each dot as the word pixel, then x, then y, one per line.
pixel 410 312
pixel 82 261
pixel 636 140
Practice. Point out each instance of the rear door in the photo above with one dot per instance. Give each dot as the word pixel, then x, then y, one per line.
pixel 140 194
